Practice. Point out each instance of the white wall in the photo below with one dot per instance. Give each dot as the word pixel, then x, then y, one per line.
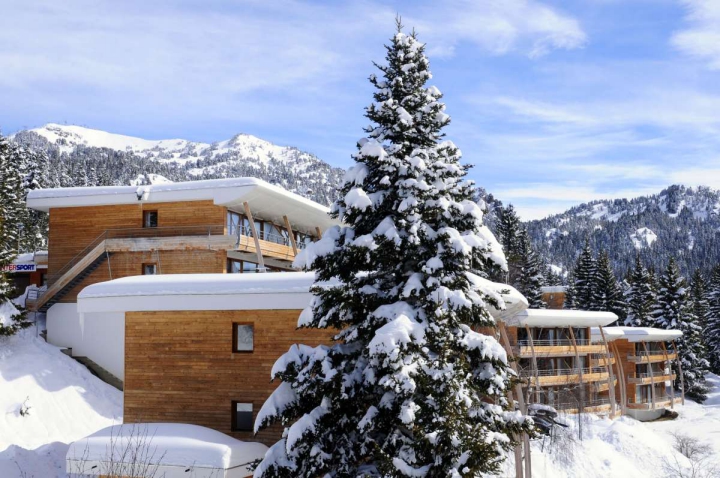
pixel 100 336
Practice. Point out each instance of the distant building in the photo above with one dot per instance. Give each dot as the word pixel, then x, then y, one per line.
pixel 28 269
pixel 554 296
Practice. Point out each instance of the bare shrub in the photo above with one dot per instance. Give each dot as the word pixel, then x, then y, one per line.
pixel 699 459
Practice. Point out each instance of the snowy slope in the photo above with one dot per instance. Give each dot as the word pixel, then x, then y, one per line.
pixel 66 403
pixel 180 151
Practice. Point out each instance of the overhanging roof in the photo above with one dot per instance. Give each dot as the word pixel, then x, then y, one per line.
pixel 266 201
pixel 635 334
pixel 561 318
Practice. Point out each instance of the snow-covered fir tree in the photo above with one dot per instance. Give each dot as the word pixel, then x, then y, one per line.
pixel 582 294
pixel 530 278
pixel 675 311
pixel 34 230
pixel 408 388
pixel 698 296
pixel 508 229
pixel 640 297
pixel 608 293
pixel 10 214
pixel 712 330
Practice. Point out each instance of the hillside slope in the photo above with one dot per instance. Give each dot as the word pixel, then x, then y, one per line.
pixel 82 156
pixel 679 221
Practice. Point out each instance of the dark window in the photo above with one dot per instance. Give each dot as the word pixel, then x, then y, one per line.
pixel 243 337
pixel 150 219
pixel 241 267
pixel 149 269
pixel 242 417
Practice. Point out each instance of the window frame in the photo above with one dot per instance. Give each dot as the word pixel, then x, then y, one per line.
pixel 146 214
pixel 235 326
pixel 233 416
pixel 145 264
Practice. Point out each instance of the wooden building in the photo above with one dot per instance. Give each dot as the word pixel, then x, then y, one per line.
pixel 221 226
pixel 557 361
pixel 644 367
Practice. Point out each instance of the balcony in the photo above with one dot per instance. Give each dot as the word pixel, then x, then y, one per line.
pixel 660 402
pixel 590 406
pixel 653 357
pixel 564 376
pixel 646 378
pixel 557 348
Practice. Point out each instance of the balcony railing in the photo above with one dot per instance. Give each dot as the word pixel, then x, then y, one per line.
pixel 576 405
pixel 238 230
pixel 553 343
pixel 526 373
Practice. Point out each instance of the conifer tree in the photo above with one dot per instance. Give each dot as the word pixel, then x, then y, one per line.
pixel 675 311
pixel 584 293
pixel 640 297
pixel 530 275
pixel 698 289
pixel 712 330
pixel 34 229
pixel 408 388
pixel 608 293
pixel 10 212
pixel 509 235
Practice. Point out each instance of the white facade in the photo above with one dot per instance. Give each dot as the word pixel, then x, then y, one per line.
pixel 98 336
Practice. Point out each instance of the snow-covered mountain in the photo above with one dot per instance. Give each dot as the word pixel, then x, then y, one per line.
pixel 92 156
pixel 680 221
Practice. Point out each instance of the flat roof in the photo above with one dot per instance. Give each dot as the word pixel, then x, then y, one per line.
pixel 271 290
pixel 172 444
pixel 267 201
pixel 635 334
pixel 255 291
pixel 561 318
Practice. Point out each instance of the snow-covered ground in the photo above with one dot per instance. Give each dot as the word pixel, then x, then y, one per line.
pixel 624 447
pixel 64 403
pixel 67 402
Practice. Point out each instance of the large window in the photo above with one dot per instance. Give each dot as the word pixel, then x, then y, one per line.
pixel 150 219
pixel 243 337
pixel 235 266
pixel 238 223
pixel 242 417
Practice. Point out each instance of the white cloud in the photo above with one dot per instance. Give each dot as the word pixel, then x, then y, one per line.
pixel 702 38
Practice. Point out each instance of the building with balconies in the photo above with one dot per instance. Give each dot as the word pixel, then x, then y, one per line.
pixel 644 362
pixel 97 234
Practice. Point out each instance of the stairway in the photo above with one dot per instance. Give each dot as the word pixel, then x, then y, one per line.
pixel 75 275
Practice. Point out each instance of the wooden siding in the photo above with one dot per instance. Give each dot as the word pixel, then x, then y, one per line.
pixel 554 300
pixel 72 229
pixel 179 366
pixel 124 264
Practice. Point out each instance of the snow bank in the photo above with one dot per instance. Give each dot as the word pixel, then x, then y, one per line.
pixel 64 401
pixel 171 444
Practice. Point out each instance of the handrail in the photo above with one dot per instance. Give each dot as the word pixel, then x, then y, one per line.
pixel 574 405
pixel 553 343
pixel 661 373
pixel 238 230
pixel 96 242
pixel 562 371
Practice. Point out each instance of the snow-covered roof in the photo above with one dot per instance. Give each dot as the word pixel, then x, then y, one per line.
pixel 561 318
pixel 272 290
pixel 553 289
pixel 39 258
pixel 266 200
pixel 635 334
pixel 167 444
pixel 269 291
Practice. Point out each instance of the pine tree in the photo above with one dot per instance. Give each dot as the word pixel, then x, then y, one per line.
pixel 10 212
pixel 640 297
pixel 698 289
pixel 712 330
pixel 408 388
pixel 509 235
pixel 530 274
pixel 608 293
pixel 675 311
pixel 584 293
pixel 34 229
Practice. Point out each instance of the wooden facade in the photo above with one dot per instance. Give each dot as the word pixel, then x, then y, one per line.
pixel 180 366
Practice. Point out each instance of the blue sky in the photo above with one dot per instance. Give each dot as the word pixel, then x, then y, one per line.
pixel 555 103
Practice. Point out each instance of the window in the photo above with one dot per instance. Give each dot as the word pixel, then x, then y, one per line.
pixel 149 269
pixel 242 417
pixel 241 267
pixel 243 337
pixel 150 219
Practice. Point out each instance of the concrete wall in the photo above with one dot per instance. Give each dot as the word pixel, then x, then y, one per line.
pixel 98 336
